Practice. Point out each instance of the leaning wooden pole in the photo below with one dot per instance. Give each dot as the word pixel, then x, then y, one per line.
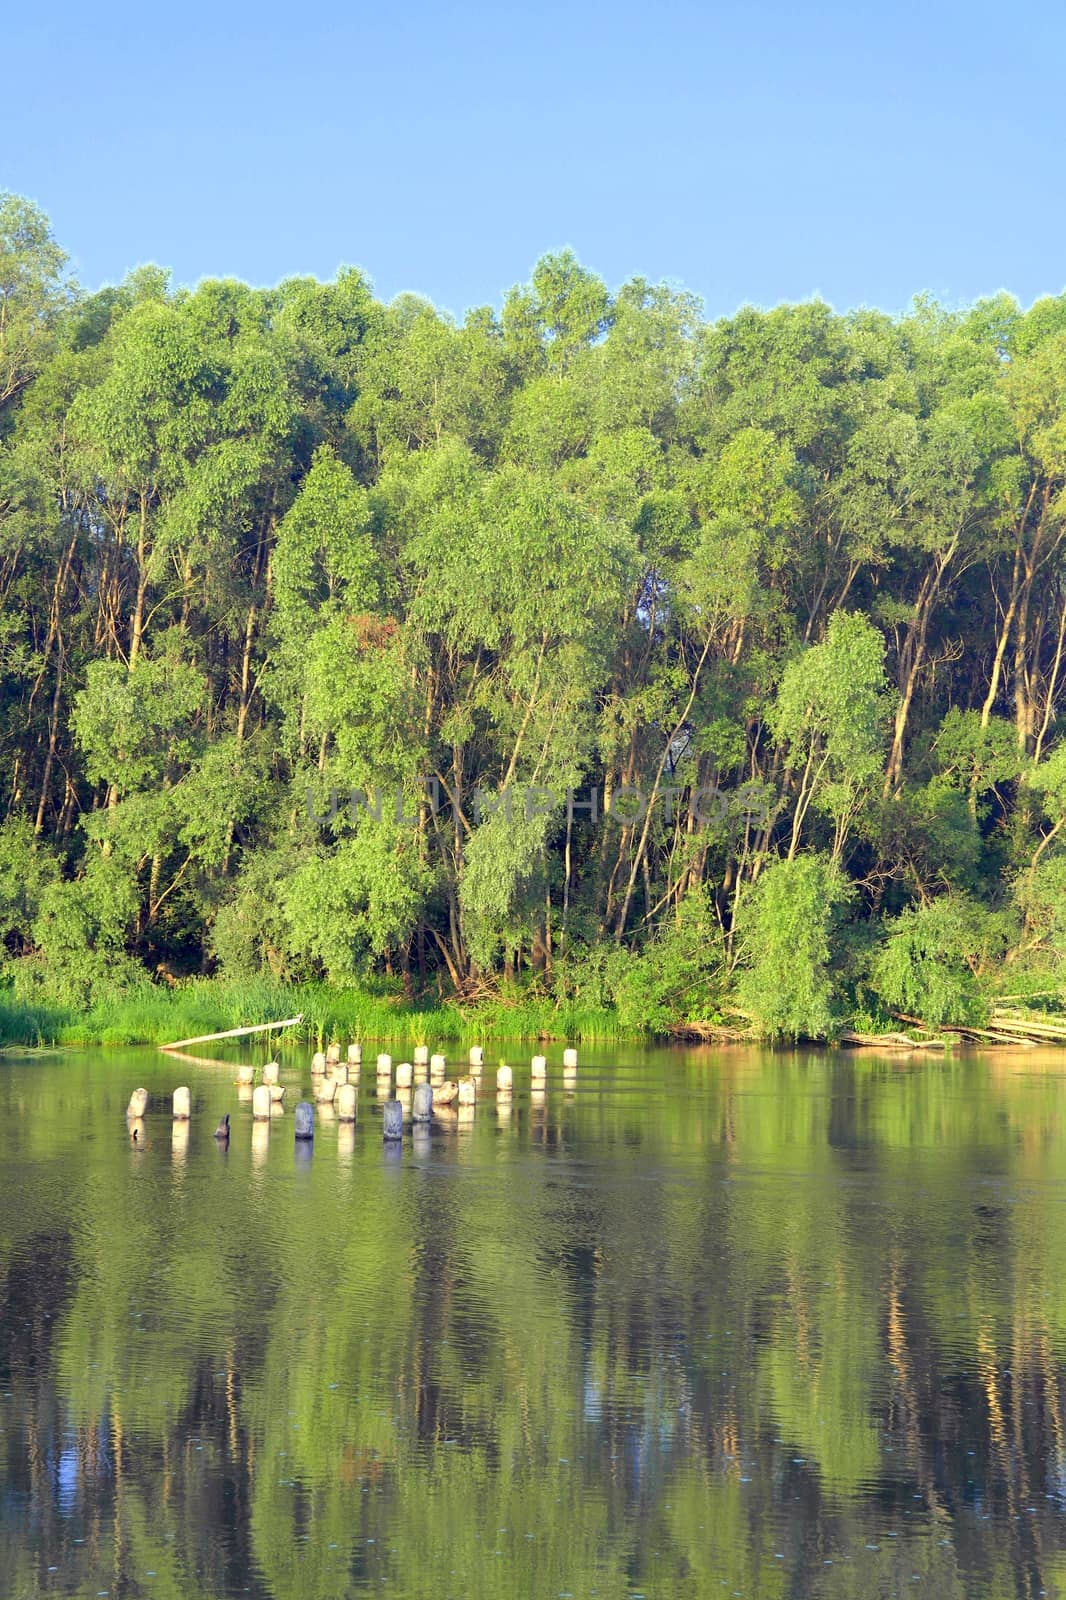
pixel 234 1033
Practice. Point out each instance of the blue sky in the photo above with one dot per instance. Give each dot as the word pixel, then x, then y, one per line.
pixel 750 153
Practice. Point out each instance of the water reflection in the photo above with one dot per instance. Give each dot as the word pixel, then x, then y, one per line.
pixel 791 1326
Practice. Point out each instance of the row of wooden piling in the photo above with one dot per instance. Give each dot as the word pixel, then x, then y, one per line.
pixel 331 1084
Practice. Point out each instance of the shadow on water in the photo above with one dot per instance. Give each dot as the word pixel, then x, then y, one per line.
pixel 782 1325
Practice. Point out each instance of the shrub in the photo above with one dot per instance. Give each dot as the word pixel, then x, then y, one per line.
pixel 784 933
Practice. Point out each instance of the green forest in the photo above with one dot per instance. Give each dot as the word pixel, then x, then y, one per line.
pixel 300 590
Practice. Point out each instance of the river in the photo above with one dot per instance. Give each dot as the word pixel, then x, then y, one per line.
pixel 706 1322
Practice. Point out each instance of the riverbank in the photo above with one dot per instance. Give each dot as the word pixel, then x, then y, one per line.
pixel 152 1014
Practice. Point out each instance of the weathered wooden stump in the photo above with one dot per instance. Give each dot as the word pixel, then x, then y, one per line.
pixel 384 1063
pixel 339 1072
pixel 245 1074
pixel 422 1108
pixel 539 1065
pixel 333 1054
pixel 504 1080
pixel 421 1054
pixel 261 1102
pixel 271 1072
pixel 318 1061
pixel 325 1089
pixel 570 1059
pixel 477 1056
pixel 182 1104
pixel 355 1055
pixel 345 1102
pixel 305 1120
pixel 437 1065
pixel 138 1103
pixel 404 1075
pixel 392 1123
pixel 445 1093
pixel 277 1093
pixel 467 1091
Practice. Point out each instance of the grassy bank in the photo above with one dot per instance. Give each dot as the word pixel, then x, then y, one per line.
pixel 152 1014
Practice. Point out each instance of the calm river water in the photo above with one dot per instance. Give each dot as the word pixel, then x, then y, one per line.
pixel 709 1323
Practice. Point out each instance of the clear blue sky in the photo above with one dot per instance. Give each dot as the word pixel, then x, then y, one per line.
pixel 748 152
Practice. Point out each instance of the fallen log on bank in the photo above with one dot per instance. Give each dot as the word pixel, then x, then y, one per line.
pixel 234 1033
pixel 1021 1034
pixel 1033 1027
pixel 889 1041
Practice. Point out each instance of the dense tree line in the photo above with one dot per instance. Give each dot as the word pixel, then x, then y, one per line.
pixel 261 547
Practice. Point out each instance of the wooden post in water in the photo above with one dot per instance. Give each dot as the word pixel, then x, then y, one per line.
pixel 504 1080
pixel 355 1055
pixel 422 1109
pixel 271 1072
pixel 539 1067
pixel 138 1103
pixel 570 1059
pixel 305 1120
pixel 403 1075
pixel 182 1104
pixel 477 1056
pixel 261 1102
pixel 392 1123
pixel 345 1102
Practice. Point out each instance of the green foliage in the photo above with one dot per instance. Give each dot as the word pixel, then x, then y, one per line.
pixel 80 936
pixel 324 554
pixel 678 977
pixel 26 874
pixel 928 964
pixel 503 886
pixel 785 931
pixel 796 577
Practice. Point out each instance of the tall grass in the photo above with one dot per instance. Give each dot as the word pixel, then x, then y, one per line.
pixel 25 1024
pixel 152 1014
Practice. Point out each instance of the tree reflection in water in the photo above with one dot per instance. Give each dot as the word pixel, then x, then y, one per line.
pixel 792 1323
